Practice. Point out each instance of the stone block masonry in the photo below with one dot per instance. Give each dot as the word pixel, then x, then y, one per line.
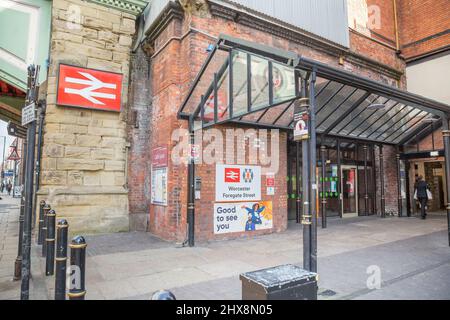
pixel 84 153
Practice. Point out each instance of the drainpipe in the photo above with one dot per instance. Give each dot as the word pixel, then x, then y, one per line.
pixel 397 43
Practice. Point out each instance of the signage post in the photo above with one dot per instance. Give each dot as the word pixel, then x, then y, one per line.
pixel 29 119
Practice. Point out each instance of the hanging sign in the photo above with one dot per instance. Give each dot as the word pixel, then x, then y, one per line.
pixel 301 130
pixel 89 88
pixel 242 217
pixel 238 183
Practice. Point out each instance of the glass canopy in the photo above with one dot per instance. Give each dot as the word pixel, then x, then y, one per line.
pixel 248 83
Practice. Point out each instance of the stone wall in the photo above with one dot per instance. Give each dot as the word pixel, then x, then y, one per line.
pixel 84 152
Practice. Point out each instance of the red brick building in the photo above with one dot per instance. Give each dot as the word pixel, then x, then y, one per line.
pixel 173 43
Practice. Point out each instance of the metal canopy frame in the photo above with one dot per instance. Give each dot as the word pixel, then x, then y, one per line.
pixel 342 97
pixel 270 80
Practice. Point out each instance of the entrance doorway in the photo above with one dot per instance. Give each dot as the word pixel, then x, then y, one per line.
pixel 349 187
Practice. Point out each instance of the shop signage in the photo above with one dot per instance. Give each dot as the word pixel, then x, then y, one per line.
pixel 242 216
pixel 89 88
pixel 160 157
pixel 159 175
pixel 238 183
pixel 270 184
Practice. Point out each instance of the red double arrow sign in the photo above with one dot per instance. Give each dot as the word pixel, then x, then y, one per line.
pixel 89 88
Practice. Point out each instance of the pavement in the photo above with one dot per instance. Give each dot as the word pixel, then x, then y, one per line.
pixel 9 230
pixel 410 256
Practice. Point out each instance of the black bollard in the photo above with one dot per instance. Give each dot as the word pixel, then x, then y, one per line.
pixel 163 295
pixel 41 222
pixel 61 259
pixel 47 208
pixel 77 290
pixel 50 240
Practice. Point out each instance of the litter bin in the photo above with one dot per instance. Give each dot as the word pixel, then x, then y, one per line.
pixel 285 282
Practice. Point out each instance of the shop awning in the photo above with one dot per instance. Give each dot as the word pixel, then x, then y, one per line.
pixel 252 84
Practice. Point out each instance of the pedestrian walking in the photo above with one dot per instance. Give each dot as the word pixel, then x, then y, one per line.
pixel 9 188
pixel 2 186
pixel 423 194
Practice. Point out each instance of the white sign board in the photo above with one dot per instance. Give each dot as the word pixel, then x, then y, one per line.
pixel 159 186
pixel 28 114
pixel 242 217
pixel 238 183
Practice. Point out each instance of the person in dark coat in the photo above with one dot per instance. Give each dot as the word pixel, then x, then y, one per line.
pixel 422 196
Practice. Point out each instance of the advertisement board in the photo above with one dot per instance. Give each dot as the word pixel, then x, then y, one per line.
pixel 238 183
pixel 159 186
pixel 242 217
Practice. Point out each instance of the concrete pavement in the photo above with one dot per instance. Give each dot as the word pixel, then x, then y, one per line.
pixel 9 230
pixel 412 255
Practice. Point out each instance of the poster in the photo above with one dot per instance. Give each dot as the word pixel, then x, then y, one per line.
pixel 159 186
pixel 238 183
pixel 301 129
pixel 160 156
pixel 242 217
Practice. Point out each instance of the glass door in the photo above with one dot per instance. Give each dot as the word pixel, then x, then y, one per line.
pixel 349 187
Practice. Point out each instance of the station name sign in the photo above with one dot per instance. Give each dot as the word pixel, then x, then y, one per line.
pixel 238 183
pixel 89 88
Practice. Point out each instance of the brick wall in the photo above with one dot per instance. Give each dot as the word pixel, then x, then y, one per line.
pixel 139 133
pixel 84 151
pixel 427 143
pixel 179 51
pixel 421 23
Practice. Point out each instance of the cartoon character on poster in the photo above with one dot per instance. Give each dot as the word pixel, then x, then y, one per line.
pixel 255 215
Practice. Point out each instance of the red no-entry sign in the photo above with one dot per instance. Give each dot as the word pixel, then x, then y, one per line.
pixel 89 88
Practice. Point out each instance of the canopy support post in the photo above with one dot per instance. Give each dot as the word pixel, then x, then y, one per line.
pixel 366 183
pixel 399 184
pixel 323 205
pixel 446 136
pixel 313 176
pixel 383 201
pixel 191 190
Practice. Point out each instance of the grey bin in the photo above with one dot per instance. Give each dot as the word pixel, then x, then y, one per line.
pixel 285 282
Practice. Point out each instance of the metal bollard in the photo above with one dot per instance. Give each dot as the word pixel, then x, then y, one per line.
pixel 61 259
pixel 50 240
pixel 41 222
pixel 47 208
pixel 77 290
pixel 163 295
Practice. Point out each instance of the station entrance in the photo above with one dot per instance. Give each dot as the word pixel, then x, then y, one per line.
pixel 349 131
pixel 347 182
